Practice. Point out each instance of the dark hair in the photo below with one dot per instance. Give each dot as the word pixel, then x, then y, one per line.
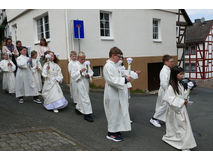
pixel 45 42
pixel 22 47
pixel 56 60
pixel 115 51
pixel 18 42
pixel 8 39
pixel 33 52
pixel 173 78
pixel 166 58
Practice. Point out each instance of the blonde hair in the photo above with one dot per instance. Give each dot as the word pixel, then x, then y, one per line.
pixel 81 54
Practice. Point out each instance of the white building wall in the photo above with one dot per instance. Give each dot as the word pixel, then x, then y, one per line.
pixel 132 31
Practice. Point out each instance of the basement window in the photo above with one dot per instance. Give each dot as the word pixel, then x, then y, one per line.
pixel 97 71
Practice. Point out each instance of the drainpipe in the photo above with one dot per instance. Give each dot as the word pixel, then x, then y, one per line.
pixel 67 35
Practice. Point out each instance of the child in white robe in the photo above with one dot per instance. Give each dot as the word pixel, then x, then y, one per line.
pixel 178 128
pixel 37 70
pixel 116 104
pixel 161 107
pixel 82 74
pixel 73 87
pixel 25 83
pixel 51 92
pixel 8 68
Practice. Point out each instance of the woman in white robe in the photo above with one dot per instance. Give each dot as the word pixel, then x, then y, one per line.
pixel 25 83
pixel 8 68
pixel 36 70
pixel 82 76
pixel 51 92
pixel 116 104
pixel 178 128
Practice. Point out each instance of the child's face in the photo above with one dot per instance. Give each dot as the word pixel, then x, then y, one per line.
pixel 23 51
pixel 73 57
pixel 4 56
pixel 81 59
pixel 51 56
pixel 180 76
pixel 170 63
pixel 34 56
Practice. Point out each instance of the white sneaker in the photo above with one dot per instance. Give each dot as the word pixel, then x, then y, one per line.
pixel 55 110
pixel 155 123
pixel 38 101
pixel 21 101
pixel 131 121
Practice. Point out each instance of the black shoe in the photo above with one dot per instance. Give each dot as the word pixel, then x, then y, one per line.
pixel 89 118
pixel 78 112
pixel 114 137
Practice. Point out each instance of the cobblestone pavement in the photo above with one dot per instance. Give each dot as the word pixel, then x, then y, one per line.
pixel 40 139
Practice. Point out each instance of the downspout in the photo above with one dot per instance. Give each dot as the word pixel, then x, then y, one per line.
pixel 67 35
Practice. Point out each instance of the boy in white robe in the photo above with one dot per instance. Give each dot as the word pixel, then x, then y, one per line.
pixel 82 74
pixel 8 68
pixel 73 87
pixel 36 69
pixel 52 94
pixel 116 97
pixel 25 83
pixel 178 128
pixel 161 106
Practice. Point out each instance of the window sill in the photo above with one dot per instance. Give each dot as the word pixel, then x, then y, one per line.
pixel 38 42
pixel 107 38
pixel 157 40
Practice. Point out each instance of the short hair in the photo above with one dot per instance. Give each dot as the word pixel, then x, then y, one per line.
pixel 115 51
pixel 18 42
pixel 73 53
pixel 33 52
pixel 166 58
pixel 80 54
pixel 23 47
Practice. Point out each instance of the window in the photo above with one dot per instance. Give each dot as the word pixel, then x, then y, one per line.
pixel 43 27
pixel 186 50
pixel 97 71
pixel 193 50
pixel 155 25
pixel 105 24
pixel 190 67
pixel 177 31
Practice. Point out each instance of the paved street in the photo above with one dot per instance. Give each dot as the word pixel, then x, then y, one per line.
pixel 29 126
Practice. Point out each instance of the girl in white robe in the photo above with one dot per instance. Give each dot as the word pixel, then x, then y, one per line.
pixel 8 68
pixel 36 69
pixel 25 83
pixel 51 92
pixel 116 104
pixel 178 128
pixel 82 76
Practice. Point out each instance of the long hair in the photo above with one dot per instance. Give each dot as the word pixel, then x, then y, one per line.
pixel 173 78
pixel 56 60
pixel 45 42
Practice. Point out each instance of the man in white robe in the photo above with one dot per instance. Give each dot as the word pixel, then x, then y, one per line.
pixel 25 83
pixel 161 106
pixel 82 74
pixel 115 97
pixel 8 68
pixel 73 86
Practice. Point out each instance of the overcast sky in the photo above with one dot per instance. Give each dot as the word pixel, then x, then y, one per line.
pixel 199 13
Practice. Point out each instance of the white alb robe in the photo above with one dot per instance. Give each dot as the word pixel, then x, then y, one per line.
pixel 51 92
pixel 8 82
pixel 116 99
pixel 82 84
pixel 178 128
pixel 73 86
pixel 161 106
pixel 37 73
pixel 25 83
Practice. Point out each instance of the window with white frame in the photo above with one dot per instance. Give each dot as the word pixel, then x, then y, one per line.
pixel 43 30
pixel 105 24
pixel 97 71
pixel 155 27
